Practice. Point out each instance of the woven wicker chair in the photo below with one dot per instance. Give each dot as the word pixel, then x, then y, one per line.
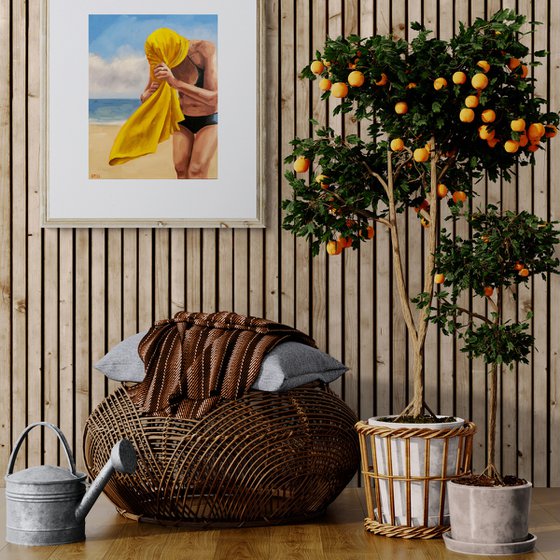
pixel 266 458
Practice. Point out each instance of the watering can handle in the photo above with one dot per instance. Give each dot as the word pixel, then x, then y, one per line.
pixel 61 437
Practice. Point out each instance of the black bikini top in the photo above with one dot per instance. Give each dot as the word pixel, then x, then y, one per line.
pixel 200 80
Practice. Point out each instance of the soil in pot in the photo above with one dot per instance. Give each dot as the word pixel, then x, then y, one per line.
pixel 424 419
pixel 483 480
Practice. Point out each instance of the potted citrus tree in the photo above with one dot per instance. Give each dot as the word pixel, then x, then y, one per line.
pixel 489 512
pixel 438 115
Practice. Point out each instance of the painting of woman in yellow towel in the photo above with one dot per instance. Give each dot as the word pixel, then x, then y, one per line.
pixel 171 128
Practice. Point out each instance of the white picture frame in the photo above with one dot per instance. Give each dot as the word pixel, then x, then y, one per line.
pixel 72 195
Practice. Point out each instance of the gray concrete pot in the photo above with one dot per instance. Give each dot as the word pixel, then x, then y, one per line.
pixel 489 520
pixel 417 468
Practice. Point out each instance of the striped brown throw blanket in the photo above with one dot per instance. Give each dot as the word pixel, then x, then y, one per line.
pixel 196 360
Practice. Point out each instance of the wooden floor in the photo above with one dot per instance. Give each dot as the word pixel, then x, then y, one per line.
pixel 339 535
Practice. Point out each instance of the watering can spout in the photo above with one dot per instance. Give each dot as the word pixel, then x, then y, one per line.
pixel 123 459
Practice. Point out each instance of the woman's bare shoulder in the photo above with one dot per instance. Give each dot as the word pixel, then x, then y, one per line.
pixel 203 47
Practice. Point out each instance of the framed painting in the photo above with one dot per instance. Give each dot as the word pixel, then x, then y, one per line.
pixel 152 113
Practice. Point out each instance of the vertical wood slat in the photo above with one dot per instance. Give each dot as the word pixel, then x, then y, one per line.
pixel 19 222
pixel 97 302
pixel 509 377
pixel 540 289
pixel 335 309
pixel 302 305
pixel 68 296
pixel 34 242
pixel 383 307
pixel 366 280
pixel 525 304
pixel 554 287
pixel 5 234
pixel 287 132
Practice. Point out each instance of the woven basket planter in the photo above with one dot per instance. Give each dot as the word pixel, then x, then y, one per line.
pixel 266 458
pixel 406 497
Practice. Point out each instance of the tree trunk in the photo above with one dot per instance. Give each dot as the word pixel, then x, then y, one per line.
pixel 418 396
pixel 493 407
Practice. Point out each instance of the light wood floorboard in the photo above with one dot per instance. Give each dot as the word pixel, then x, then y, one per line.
pixel 339 535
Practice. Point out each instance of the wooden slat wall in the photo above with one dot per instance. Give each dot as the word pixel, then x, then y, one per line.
pixel 68 295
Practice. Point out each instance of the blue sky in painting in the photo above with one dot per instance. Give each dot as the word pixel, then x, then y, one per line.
pixel 109 34
pixel 118 67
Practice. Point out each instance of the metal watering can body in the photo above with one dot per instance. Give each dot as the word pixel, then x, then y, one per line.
pixel 47 505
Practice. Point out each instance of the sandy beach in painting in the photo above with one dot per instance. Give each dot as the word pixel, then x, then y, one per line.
pixel 152 166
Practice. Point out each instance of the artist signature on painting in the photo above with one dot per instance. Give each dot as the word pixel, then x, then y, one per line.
pixel 94 176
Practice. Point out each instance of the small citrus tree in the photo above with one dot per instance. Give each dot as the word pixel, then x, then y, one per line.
pixel 438 115
pixel 503 253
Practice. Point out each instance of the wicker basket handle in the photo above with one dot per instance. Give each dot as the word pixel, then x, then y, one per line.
pixel 61 437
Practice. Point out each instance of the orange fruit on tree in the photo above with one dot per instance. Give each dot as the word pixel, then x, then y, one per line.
pixel 326 62
pixel 551 131
pixel 370 232
pixel 488 291
pixel 356 78
pixel 488 115
pixel 459 196
pixel 518 266
pixel 511 146
pixel 317 67
pixel 485 239
pixel 421 155
pixel 518 125
pixel 493 142
pixel 442 190
pixel 439 278
pixel 397 144
pixel 322 180
pixel 536 131
pixel 484 133
pixel 424 205
pixel 333 248
pixel 383 80
pixel 425 223
pixel 479 81
pixel 524 70
pixel 411 85
pixel 325 84
pixel 523 140
pixel 484 65
pixel 471 101
pixel 466 115
pixel 339 90
pixel 344 242
pixel 533 147
pixel 459 78
pixel 301 165
pixel 440 83
pixel 513 63
pixel 401 107
pixel 524 272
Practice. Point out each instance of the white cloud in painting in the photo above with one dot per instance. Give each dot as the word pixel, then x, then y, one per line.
pixel 123 77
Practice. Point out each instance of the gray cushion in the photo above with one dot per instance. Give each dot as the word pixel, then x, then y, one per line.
pixel 122 362
pixel 292 364
pixel 289 365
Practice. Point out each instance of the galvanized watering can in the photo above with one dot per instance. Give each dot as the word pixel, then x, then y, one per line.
pixel 48 505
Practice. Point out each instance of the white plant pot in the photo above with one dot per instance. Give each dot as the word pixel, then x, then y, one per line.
pixel 417 468
pixel 489 520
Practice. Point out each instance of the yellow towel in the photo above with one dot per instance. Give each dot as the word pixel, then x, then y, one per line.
pixel 156 119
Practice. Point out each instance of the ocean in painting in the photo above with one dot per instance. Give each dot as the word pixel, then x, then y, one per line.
pixel 111 111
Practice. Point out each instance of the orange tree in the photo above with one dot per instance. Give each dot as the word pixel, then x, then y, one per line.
pixel 503 252
pixel 439 116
